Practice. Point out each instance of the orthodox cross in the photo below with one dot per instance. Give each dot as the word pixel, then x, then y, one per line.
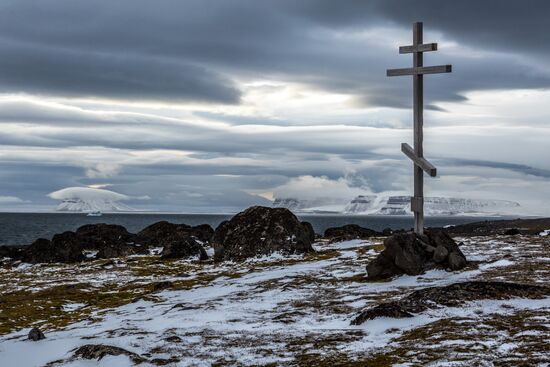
pixel 417 154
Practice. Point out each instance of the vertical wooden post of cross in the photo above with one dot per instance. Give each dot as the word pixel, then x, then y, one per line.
pixel 417 202
pixel 416 154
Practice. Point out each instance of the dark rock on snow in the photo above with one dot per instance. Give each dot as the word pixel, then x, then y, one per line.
pixel 182 248
pixel 98 351
pixel 411 254
pixel 453 295
pixel 261 231
pixel 512 232
pixel 36 334
pixel 159 286
pixel 350 232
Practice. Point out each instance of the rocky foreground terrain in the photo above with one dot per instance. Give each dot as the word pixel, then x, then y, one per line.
pixel 262 289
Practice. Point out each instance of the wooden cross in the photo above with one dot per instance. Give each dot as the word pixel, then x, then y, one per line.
pixel 417 154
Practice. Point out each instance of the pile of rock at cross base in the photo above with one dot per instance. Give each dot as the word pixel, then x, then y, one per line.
pixel 413 254
pixel 260 231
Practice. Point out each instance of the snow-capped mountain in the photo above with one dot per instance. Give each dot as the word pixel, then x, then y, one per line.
pixel 400 205
pixel 87 206
pixel 86 199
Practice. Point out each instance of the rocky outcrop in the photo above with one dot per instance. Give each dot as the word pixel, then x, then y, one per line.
pixel 164 233
pixel 95 236
pixel 454 295
pixel 412 254
pixel 98 351
pixel 349 232
pixel 36 334
pixel 499 227
pixel 182 248
pixel 261 231
pixel 110 241
pixel 62 248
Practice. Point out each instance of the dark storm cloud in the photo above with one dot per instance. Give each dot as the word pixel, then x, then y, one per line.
pixel 189 50
pixel 40 70
pixel 509 25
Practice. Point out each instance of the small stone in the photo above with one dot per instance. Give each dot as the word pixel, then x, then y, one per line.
pixel 173 339
pixel 162 285
pixel 36 334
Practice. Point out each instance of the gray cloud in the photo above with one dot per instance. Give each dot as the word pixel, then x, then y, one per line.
pixel 183 50
pixel 520 168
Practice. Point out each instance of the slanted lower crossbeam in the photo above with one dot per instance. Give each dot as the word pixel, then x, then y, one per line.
pixel 419 161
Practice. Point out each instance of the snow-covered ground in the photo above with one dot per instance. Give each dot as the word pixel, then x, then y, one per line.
pixel 294 311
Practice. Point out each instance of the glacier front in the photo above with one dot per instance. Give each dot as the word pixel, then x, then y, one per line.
pixel 400 205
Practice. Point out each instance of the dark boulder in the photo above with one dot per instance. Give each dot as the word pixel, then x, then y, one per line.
pixel 311 232
pixel 95 236
pixel 12 252
pixel 64 248
pixel 440 254
pixel 456 261
pixel 160 286
pixel 512 232
pixel 412 254
pixel 182 248
pixel 98 351
pixel 36 334
pixel 261 231
pixel 350 232
pixel 164 233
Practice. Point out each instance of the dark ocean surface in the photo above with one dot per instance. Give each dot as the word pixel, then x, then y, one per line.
pixel 24 228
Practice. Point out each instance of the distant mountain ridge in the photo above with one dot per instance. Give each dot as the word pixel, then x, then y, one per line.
pixel 400 205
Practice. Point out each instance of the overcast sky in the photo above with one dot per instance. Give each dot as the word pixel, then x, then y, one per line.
pixel 217 105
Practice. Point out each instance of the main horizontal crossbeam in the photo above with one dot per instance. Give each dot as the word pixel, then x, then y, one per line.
pixel 420 70
pixel 425 47
pixel 419 161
